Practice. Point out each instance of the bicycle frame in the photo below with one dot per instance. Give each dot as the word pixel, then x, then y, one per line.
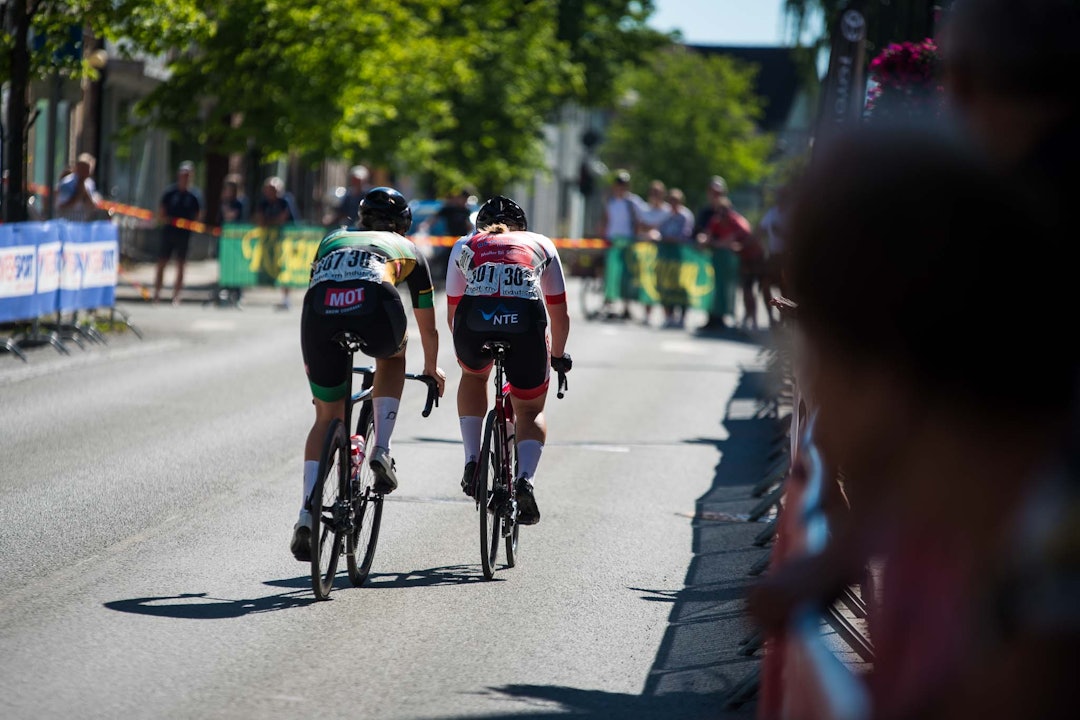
pixel 346 518
pixel 504 412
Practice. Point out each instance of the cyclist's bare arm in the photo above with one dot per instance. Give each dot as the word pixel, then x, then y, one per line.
pixel 559 319
pixel 429 339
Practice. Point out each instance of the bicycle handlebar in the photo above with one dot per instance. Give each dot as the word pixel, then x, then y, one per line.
pixel 563 385
pixel 432 391
pixel 432 386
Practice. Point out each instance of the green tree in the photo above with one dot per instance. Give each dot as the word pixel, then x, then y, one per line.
pixel 604 36
pixel 44 38
pixel 669 128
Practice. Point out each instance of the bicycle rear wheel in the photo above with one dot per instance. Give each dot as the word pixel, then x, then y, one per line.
pixel 367 508
pixel 328 509
pixel 490 493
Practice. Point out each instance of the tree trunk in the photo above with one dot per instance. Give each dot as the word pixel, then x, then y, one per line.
pixel 15 138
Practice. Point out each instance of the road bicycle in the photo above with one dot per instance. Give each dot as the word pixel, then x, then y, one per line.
pixel 497 469
pixel 349 511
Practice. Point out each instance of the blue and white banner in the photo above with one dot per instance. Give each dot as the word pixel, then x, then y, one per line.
pixel 88 270
pixel 27 290
pixel 63 266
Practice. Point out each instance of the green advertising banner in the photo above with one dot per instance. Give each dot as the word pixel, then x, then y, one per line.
pixel 275 256
pixel 671 274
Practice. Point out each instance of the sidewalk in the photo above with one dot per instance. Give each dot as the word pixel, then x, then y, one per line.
pixel 135 284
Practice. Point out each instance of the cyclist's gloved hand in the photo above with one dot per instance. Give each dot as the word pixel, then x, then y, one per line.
pixel 562 364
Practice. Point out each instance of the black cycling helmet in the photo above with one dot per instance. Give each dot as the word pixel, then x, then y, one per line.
pixel 384 208
pixel 500 209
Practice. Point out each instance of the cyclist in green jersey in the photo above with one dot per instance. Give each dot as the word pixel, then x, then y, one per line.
pixel 353 287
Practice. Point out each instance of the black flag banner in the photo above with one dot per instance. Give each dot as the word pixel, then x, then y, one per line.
pixel 845 84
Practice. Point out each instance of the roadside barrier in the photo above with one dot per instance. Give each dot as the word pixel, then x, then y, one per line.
pixel 51 274
pixel 800 677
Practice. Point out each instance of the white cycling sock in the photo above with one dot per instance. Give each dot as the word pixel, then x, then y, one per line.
pixel 528 454
pixel 471 428
pixel 385 417
pixel 311 474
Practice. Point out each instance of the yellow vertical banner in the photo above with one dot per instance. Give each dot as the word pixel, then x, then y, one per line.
pixel 267 256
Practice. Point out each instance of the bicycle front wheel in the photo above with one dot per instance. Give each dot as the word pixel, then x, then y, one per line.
pixel 491 493
pixel 328 509
pixel 367 508
pixel 512 534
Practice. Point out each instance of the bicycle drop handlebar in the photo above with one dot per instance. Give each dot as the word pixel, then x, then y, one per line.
pixel 432 387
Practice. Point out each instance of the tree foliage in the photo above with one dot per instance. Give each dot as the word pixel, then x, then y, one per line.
pixel 669 129
pixel 44 38
pixel 454 92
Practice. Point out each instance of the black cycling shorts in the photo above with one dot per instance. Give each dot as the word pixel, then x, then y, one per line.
pixel 519 322
pixel 174 244
pixel 372 311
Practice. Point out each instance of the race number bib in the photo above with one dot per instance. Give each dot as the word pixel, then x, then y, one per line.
pixel 505 280
pixel 350 265
pixel 519 281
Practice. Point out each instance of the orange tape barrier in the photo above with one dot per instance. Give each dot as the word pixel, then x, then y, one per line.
pixel 138 212
pixel 439 240
pixel 578 244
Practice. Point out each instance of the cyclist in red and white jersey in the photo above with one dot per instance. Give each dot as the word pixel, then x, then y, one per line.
pixel 505 283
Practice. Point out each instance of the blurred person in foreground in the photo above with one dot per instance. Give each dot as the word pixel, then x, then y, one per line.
pixel 1009 74
pixel 948 434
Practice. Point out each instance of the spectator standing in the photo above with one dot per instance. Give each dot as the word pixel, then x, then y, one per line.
pixel 454 214
pixel 655 212
pixel 180 204
pixel 621 224
pixel 274 210
pixel 677 227
pixel 233 203
pixel 77 197
pixel 770 231
pixel 720 227
pixel 346 212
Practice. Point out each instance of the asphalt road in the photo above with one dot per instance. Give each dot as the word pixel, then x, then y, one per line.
pixel 148 489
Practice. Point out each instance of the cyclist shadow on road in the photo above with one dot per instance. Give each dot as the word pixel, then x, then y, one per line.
pixel 201 606
pixel 432 577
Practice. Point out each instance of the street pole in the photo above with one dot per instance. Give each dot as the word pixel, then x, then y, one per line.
pixel 18 26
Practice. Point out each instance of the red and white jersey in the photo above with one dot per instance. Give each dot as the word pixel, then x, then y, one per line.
pixel 513 264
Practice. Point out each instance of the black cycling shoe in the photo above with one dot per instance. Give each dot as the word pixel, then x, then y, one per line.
pixel 300 546
pixel 383 466
pixel 527 511
pixel 468 479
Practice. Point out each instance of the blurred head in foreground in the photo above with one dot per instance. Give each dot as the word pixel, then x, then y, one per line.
pixel 902 284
